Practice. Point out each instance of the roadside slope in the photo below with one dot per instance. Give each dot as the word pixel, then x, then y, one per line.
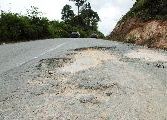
pixel 145 24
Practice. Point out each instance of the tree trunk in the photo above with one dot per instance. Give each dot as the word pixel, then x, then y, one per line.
pixel 78 10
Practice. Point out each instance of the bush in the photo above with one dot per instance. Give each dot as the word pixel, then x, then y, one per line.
pixel 15 27
pixel 148 9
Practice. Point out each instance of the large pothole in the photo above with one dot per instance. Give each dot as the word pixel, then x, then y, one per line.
pixel 78 60
pixel 86 59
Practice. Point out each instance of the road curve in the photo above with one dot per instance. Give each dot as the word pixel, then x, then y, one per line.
pixel 81 79
pixel 13 55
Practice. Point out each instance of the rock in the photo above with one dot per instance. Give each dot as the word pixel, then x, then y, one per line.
pixel 50 72
pixel 88 99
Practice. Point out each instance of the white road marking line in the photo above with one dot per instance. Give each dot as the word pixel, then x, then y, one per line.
pixel 47 51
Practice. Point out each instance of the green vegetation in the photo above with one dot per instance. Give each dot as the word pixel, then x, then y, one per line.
pixel 85 21
pixel 148 9
pixel 79 3
pixel 15 27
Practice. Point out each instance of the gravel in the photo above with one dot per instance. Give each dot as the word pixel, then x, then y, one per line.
pixel 118 85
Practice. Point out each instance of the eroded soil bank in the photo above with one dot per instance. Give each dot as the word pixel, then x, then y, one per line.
pixel 152 33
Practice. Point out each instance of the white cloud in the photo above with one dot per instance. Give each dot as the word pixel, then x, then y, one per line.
pixel 110 11
pixel 109 17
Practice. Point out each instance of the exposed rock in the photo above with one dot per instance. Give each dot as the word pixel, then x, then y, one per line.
pixel 145 24
pixel 152 33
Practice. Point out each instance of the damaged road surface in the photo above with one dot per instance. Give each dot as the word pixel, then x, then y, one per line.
pixel 82 79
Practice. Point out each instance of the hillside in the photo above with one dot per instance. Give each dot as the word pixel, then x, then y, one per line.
pixel 145 24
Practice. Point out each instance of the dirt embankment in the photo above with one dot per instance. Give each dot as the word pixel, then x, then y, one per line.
pixel 152 33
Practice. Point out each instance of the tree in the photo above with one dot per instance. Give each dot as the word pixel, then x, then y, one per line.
pixel 34 12
pixel 90 17
pixel 78 21
pixel 67 13
pixel 79 3
pixel 86 21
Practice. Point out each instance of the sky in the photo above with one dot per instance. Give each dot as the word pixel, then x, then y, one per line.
pixel 110 11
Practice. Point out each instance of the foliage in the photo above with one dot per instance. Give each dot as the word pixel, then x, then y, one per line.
pixel 58 29
pixel 148 9
pixel 86 22
pixel 79 3
pixel 67 13
pixel 90 17
pixel 15 27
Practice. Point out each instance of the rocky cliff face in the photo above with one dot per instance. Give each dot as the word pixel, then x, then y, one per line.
pixel 151 32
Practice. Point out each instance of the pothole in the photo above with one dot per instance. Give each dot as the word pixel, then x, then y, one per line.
pixel 52 63
pixel 86 59
pixel 77 60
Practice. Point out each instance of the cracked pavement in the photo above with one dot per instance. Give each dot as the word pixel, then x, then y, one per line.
pixel 86 79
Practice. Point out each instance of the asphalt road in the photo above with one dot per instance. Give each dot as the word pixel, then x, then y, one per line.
pixel 82 79
pixel 14 55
